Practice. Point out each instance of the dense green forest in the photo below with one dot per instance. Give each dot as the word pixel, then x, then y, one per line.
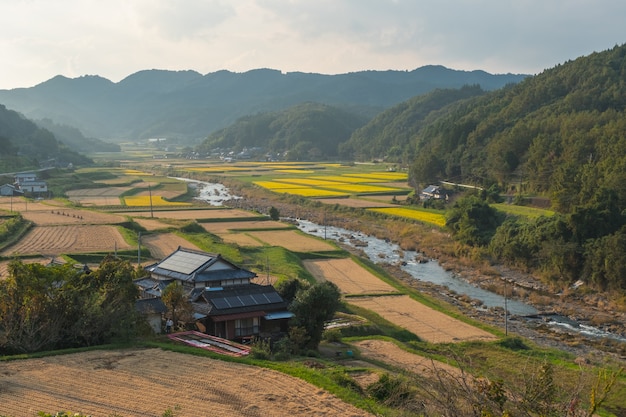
pixel 560 135
pixel 187 106
pixel 74 138
pixel 24 145
pixel 308 131
pixel 391 134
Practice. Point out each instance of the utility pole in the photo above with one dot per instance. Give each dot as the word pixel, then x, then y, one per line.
pixel 150 192
pixel 506 313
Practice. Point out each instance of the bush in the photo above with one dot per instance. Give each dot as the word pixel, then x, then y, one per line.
pixel 343 379
pixel 332 335
pixel 390 390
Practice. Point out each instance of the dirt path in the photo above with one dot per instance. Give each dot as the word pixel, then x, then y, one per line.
pixel 147 382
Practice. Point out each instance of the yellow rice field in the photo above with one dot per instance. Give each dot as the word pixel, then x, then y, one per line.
pixel 422 216
pixel 146 201
pixel 310 192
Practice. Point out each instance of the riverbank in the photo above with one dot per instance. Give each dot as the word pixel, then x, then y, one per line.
pixel 581 305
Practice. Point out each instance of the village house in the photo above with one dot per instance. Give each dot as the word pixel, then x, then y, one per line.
pixel 27 182
pixel 433 192
pixel 10 190
pixel 226 302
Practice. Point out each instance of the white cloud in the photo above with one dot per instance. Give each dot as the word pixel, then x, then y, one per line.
pixel 40 38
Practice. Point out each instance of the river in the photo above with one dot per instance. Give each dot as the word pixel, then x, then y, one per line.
pixel 381 251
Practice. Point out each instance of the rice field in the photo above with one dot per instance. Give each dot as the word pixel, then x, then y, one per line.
pixel 146 201
pixel 530 212
pixel 419 215
pixel 310 192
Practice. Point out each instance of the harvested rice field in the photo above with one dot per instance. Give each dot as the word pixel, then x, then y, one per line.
pixel 389 353
pixel 148 382
pixel 163 244
pixel 56 216
pixel 240 239
pixel 292 240
pixel 56 240
pixel 428 324
pixel 226 227
pixel 350 277
pixel 193 214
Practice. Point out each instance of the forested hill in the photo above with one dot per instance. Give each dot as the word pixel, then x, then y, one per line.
pixel 391 134
pixel 188 105
pixel 561 133
pixel 308 131
pixel 24 145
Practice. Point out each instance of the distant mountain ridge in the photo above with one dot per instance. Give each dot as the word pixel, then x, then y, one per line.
pixel 188 105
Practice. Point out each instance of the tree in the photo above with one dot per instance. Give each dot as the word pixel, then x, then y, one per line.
pixel 312 307
pixel 288 288
pixel 177 303
pixel 473 221
pixel 52 307
pixel 274 213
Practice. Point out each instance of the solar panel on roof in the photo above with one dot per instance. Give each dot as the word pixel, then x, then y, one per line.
pixel 248 300
pixel 273 297
pixel 234 301
pixel 220 303
pixel 185 262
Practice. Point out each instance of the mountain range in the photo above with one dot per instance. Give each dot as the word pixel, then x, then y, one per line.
pixel 187 106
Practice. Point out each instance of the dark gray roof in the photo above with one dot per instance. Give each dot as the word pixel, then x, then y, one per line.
pixel 239 299
pixel 150 305
pixel 190 265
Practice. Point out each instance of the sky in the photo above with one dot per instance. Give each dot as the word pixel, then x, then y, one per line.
pixel 40 39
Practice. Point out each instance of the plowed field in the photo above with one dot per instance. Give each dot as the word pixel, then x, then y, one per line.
pixel 145 383
pixel 430 325
pixel 56 240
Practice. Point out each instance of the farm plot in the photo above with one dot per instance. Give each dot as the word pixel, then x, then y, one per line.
pixel 240 239
pixel 150 224
pixel 430 325
pixel 292 240
pixel 107 196
pixel 356 202
pixel 390 353
pixel 163 244
pixel 147 382
pixel 55 240
pixel 53 216
pixel 193 214
pixel 350 277
pixel 226 227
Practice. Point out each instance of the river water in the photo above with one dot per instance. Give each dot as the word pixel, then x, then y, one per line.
pixel 381 251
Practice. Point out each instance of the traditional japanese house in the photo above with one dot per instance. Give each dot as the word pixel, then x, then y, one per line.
pixel 226 302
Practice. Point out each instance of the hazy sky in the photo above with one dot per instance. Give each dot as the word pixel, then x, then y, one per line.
pixel 115 38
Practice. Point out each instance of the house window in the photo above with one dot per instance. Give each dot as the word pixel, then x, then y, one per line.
pixel 246 327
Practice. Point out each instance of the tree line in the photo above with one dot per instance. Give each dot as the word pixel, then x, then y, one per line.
pixel 49 307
